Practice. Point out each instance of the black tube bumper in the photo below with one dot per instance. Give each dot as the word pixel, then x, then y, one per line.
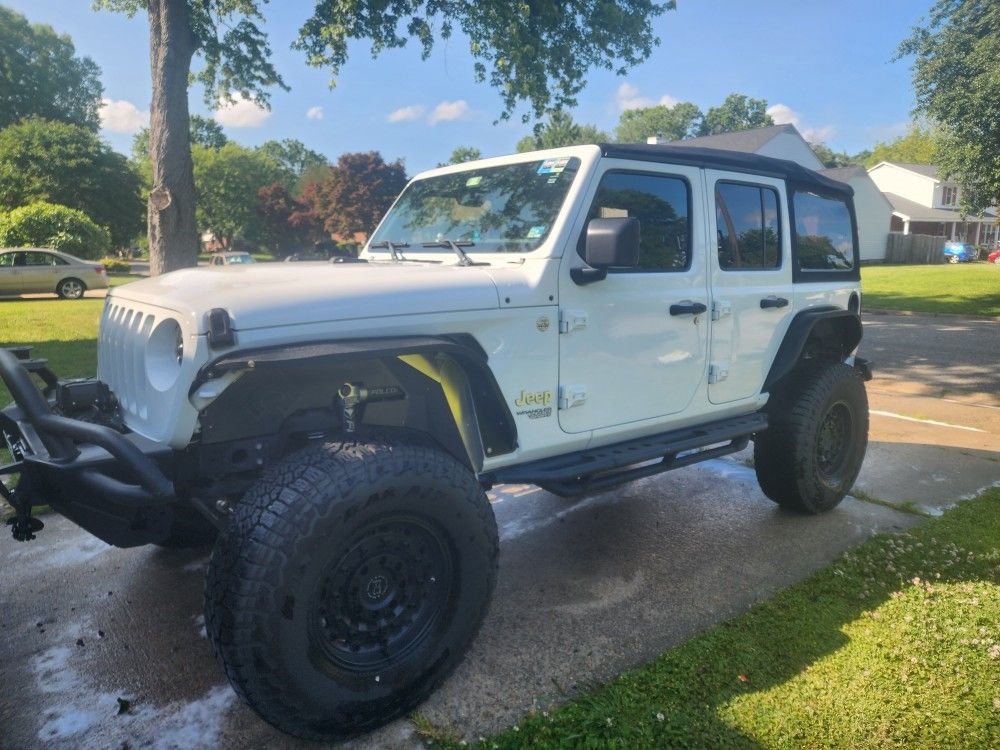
pixel 112 484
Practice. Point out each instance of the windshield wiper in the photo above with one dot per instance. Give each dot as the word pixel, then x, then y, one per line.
pixel 395 247
pixel 463 257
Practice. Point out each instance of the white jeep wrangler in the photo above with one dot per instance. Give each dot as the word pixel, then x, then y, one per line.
pixel 573 318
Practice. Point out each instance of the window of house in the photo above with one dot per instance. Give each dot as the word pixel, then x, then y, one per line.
pixel 824 237
pixel 949 196
pixel 661 203
pixel 748 227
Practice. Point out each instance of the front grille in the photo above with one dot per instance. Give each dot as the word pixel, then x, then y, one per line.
pixel 121 348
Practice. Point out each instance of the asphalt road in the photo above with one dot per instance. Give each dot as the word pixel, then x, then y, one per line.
pixel 950 356
pixel 586 589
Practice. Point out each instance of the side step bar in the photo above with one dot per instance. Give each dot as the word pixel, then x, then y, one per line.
pixel 597 469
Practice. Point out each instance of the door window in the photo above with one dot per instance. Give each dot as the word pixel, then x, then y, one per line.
pixel 7 260
pixel 40 259
pixel 661 203
pixel 748 227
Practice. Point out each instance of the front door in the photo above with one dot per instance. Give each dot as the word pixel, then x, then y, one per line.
pixel 751 273
pixel 633 346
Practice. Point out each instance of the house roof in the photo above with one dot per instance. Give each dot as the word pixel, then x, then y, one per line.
pixel 913 211
pixel 844 174
pixel 927 170
pixel 729 160
pixel 740 140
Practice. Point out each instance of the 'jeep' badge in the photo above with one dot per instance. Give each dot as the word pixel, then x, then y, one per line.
pixel 542 323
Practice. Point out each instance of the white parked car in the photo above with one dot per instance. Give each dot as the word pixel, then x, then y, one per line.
pixel 573 318
pixel 29 270
pixel 235 258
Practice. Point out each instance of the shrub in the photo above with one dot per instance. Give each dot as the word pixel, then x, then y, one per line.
pixel 57 227
pixel 115 265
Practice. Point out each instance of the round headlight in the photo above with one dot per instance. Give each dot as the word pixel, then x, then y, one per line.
pixel 164 353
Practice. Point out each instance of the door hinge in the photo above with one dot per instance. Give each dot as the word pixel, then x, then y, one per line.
pixel 721 308
pixel 717 373
pixel 571 319
pixel 571 395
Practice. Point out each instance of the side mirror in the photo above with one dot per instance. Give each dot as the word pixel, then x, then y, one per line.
pixel 610 243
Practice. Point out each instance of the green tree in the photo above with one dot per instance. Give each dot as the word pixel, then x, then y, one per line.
pixel 203 130
pixel 918 146
pixel 538 53
pixel 559 131
pixel 294 158
pixel 673 123
pixel 737 112
pixel 956 79
pixel 58 227
pixel 41 76
pixel 831 158
pixel 463 154
pixel 228 181
pixel 69 165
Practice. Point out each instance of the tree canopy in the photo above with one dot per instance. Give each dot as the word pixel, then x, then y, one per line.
pixel 463 154
pixel 355 193
pixel 737 112
pixel 204 132
pixel 42 224
pixel 69 165
pixel 673 123
pixel 956 79
pixel 41 76
pixel 918 146
pixel 560 130
pixel 293 157
pixel 228 181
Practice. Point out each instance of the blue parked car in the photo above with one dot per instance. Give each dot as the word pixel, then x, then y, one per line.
pixel 960 252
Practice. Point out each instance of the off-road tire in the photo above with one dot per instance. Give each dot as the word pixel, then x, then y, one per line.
pixel 282 579
pixel 795 463
pixel 71 288
pixel 189 530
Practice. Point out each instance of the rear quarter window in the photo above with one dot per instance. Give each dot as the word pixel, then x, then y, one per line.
pixel 824 233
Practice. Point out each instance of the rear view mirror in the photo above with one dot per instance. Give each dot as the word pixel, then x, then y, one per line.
pixel 610 243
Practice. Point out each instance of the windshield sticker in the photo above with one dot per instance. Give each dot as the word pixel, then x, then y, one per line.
pixel 553 166
pixel 473 181
pixel 536 232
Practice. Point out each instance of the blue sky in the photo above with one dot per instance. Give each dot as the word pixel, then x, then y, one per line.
pixel 827 64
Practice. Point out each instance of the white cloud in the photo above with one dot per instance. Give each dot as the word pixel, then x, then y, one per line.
pixel 782 114
pixel 314 113
pixel 628 97
pixel 406 114
pixel 120 116
pixel 241 113
pixel 447 111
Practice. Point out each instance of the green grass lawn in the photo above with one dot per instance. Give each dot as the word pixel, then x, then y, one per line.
pixel 964 289
pixel 896 644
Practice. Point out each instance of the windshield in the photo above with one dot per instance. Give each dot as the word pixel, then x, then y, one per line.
pixel 507 209
pixel 231 259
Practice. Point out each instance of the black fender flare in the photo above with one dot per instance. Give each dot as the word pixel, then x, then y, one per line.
pixel 846 323
pixel 411 361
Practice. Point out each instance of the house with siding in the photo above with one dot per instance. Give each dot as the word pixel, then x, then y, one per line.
pixel 923 203
pixel 785 142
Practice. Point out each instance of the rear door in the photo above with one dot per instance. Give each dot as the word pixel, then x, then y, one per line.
pixel 633 345
pixel 751 281
pixel 10 274
pixel 40 273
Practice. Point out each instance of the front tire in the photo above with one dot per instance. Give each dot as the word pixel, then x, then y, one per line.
pixel 811 453
pixel 71 288
pixel 350 582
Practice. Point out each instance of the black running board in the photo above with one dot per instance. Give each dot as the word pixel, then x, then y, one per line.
pixel 598 469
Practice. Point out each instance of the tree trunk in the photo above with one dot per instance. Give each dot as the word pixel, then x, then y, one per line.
pixel 173 234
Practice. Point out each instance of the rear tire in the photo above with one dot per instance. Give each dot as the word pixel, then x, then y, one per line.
pixel 811 453
pixel 350 582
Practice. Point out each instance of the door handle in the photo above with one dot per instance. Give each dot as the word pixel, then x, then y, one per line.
pixel 687 307
pixel 773 301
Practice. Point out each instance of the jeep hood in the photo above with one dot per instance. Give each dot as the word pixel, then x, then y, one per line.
pixel 282 294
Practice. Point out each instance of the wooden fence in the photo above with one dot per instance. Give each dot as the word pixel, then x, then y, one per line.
pixel 914 248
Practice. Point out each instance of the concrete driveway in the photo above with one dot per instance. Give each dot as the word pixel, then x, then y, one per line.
pixel 586 589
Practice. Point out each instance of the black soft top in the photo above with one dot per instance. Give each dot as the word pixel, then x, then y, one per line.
pixel 732 161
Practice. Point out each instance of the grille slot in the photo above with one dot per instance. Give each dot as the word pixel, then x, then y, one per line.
pixel 120 358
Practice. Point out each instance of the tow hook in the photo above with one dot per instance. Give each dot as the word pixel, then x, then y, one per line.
pixel 355 396
pixel 22 525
